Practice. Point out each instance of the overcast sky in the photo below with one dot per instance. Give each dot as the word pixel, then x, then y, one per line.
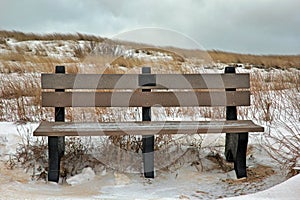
pixel 245 26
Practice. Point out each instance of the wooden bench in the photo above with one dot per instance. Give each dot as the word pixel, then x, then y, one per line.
pixel 146 90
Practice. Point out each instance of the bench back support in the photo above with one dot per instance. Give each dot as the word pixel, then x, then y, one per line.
pixel 133 90
pixel 56 143
pixel 147 140
pixel 235 144
pixel 145 99
pixel 145 81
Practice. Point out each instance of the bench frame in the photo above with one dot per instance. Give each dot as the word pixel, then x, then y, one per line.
pixel 235 145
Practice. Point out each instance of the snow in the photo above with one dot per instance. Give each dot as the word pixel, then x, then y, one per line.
pixel 11 136
pixel 184 182
pixel 8 139
pixel 87 175
pixel 286 190
pixel 147 55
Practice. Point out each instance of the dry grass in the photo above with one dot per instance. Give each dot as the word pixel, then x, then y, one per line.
pixel 21 90
pixel 176 56
pixel 32 154
pixel 275 80
pixel 260 61
pixel 41 57
pixel 270 89
pixel 164 61
pixel 21 97
pixel 250 60
pixel 16 86
pixel 23 58
pixel 21 36
pixel 16 63
pixel 283 145
pixel 129 62
pixel 275 103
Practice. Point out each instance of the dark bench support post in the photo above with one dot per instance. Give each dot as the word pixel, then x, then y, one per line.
pixel 56 145
pixel 148 140
pixel 236 144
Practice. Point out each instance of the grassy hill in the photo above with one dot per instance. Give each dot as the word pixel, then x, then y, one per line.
pixel 52 49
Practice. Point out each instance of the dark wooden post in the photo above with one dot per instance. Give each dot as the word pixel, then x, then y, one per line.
pixel 231 138
pixel 148 140
pixel 56 145
pixel 236 143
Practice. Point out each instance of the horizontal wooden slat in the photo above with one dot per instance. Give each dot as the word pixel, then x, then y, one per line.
pixel 89 81
pixel 144 128
pixel 131 81
pixel 145 99
pixel 203 81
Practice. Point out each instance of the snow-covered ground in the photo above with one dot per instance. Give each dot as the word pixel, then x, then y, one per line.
pixel 185 182
pixel 286 190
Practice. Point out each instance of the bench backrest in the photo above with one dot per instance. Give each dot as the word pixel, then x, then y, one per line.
pixel 145 90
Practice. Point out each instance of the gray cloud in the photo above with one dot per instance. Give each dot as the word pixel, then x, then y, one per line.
pixel 256 26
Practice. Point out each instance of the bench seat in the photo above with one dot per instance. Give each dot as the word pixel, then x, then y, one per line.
pixel 144 128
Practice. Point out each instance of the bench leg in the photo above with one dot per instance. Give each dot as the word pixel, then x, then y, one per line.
pixel 56 147
pixel 148 156
pixel 231 144
pixel 240 161
pixel 235 151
